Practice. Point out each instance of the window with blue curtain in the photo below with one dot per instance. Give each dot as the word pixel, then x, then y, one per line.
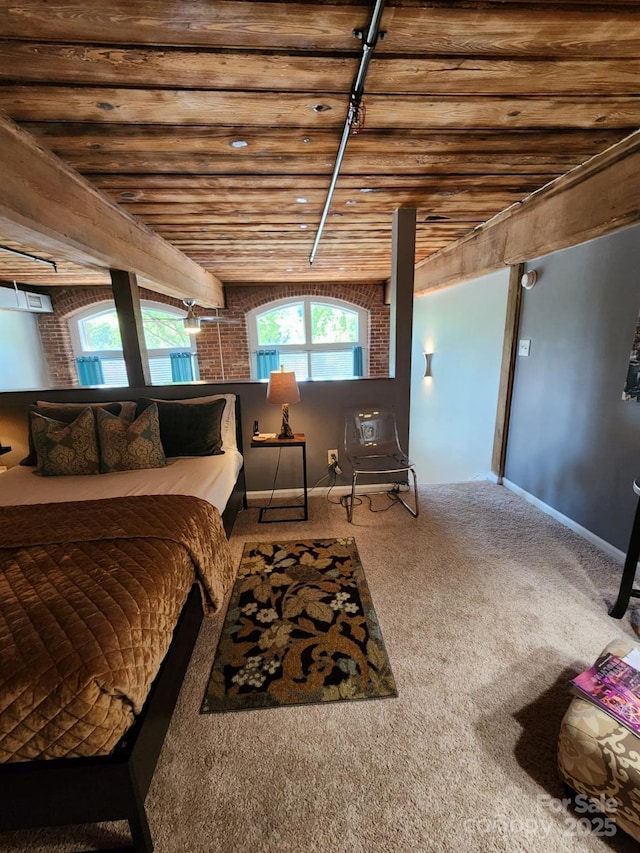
pixel 358 361
pixel 314 335
pixel 90 370
pixel 181 368
pixel 267 360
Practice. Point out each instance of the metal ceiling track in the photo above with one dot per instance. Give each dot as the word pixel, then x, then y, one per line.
pixel 31 257
pixel 369 41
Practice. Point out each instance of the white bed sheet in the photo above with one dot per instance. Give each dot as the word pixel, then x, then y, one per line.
pixel 211 478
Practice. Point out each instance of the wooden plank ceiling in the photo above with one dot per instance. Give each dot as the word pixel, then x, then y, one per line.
pixel 217 123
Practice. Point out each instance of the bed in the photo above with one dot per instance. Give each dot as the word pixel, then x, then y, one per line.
pixel 117 570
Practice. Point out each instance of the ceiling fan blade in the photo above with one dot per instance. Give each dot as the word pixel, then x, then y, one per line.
pixel 215 319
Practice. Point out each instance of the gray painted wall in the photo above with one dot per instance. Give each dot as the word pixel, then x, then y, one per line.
pixel 573 442
pixel 319 414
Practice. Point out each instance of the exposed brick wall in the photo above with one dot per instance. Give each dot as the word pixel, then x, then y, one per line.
pixel 54 328
pixel 67 301
pixel 240 300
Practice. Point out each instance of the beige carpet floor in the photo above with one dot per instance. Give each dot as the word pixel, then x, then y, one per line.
pixel 487 607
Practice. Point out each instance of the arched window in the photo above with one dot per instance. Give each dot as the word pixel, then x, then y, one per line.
pixel 318 338
pixel 95 335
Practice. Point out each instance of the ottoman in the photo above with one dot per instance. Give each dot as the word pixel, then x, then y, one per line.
pixel 600 758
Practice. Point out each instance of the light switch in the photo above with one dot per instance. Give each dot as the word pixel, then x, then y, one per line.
pixel 524 347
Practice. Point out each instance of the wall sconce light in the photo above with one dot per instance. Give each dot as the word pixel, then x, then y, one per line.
pixel 529 279
pixel 427 363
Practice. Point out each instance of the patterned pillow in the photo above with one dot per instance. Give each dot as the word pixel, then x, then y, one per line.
pixel 127 408
pixel 64 449
pixel 69 412
pixel 128 446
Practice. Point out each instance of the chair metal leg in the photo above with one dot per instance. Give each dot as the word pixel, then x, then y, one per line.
pixel 414 512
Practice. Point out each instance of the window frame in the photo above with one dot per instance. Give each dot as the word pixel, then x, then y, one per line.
pixel 106 306
pixel 309 347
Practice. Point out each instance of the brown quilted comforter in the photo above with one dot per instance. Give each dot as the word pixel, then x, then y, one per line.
pixel 90 593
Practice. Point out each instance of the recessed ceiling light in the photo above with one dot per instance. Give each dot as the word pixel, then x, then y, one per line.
pixel 307 140
pixel 350 201
pixel 366 190
pixel 289 269
pixel 304 226
pixel 239 143
pixel 301 200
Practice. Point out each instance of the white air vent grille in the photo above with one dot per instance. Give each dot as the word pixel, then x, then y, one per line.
pixel 34 300
pixel 20 300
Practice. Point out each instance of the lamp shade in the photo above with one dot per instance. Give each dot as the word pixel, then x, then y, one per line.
pixel 282 387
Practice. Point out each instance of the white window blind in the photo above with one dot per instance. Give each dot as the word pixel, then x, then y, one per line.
pixel 332 365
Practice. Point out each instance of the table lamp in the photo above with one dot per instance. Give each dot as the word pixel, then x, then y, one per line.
pixel 283 389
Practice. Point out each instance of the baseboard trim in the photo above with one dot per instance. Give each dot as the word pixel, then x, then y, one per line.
pixel 602 544
pixel 323 491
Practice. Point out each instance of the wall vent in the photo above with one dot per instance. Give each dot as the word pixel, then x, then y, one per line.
pixel 21 300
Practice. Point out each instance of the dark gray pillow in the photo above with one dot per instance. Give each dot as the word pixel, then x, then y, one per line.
pixel 65 414
pixel 188 429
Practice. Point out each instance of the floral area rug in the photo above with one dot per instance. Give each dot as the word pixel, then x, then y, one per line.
pixel 300 628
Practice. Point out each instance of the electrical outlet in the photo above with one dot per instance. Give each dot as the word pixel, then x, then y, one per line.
pixel 332 456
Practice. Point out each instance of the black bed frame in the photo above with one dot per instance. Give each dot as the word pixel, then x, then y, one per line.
pixel 114 787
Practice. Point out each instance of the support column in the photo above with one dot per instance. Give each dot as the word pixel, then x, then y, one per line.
pixel 127 298
pixel 400 295
pixel 507 371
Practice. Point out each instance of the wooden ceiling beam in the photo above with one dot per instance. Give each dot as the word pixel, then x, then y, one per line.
pixel 596 198
pixel 166 106
pixel 193 187
pixel 490 30
pixel 169 216
pixel 65 138
pixel 43 62
pixel 258 231
pixel 224 248
pixel 94 164
pixel 47 205
pixel 209 120
pixel 453 207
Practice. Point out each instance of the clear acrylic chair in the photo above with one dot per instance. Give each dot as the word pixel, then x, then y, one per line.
pixel 372 447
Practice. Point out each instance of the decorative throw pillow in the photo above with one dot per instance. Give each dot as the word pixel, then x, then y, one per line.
pixel 128 446
pixel 127 407
pixel 228 421
pixel 64 449
pixel 68 412
pixel 188 430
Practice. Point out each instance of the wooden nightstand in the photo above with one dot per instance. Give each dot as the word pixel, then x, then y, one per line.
pixel 298 440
